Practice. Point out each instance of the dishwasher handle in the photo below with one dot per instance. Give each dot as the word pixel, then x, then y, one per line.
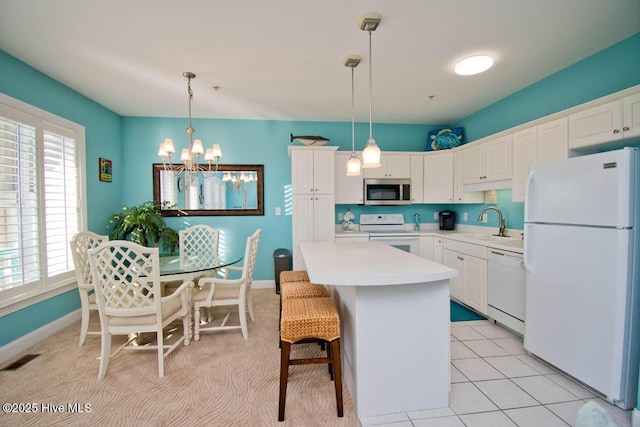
pixel 509 259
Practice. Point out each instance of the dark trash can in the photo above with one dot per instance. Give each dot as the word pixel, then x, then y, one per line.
pixel 281 262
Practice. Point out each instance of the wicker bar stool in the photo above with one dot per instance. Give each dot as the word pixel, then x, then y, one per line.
pixel 309 319
pixel 296 284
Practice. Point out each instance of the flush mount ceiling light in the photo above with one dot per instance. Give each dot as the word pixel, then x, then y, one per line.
pixel 190 155
pixel 353 164
pixel 474 65
pixel 371 154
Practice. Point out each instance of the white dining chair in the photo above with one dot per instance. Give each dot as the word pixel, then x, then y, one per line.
pixel 198 247
pixel 216 292
pixel 128 294
pixel 80 244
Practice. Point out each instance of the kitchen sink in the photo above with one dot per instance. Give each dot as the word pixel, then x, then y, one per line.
pixel 503 241
pixel 477 236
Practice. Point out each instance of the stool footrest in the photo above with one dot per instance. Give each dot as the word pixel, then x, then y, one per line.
pixel 313 361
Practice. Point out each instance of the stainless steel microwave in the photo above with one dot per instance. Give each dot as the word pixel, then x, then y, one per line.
pixel 387 191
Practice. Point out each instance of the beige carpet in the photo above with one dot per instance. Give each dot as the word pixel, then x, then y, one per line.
pixel 221 380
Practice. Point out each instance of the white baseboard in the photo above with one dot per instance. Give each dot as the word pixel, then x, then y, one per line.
pixel 635 418
pixel 264 284
pixel 14 348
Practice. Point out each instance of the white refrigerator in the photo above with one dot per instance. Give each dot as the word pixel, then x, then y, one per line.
pixel 582 253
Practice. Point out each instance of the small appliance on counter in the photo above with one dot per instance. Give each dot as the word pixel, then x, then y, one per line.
pixel 447 220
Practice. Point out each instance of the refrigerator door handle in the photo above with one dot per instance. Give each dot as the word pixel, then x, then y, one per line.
pixel 525 257
pixel 527 193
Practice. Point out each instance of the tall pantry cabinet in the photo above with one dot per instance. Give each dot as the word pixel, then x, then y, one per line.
pixel 313 197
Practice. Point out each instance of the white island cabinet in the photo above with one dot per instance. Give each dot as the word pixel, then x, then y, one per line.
pixel 394 321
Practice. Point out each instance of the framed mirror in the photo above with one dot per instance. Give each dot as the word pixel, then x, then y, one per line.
pixel 232 190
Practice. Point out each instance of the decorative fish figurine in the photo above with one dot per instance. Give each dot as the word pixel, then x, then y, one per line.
pixel 310 139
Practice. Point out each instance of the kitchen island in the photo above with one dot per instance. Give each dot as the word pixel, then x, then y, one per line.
pixel 394 319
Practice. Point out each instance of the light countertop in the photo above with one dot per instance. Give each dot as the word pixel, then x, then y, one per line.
pixel 368 264
pixel 476 235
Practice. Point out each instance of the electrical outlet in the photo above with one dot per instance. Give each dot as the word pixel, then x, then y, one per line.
pixel 484 218
pixel 435 215
pixel 340 216
pixel 278 211
pixel 465 216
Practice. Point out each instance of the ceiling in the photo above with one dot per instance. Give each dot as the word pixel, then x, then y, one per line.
pixel 282 59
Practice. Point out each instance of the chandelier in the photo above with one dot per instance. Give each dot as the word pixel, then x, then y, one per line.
pixel 242 181
pixel 190 156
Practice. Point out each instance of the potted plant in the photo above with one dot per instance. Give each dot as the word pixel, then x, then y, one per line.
pixel 144 225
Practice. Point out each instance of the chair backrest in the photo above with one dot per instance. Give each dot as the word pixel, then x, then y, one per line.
pixel 80 244
pixel 198 247
pixel 126 278
pixel 250 253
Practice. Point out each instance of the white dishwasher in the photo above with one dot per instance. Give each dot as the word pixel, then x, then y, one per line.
pixel 506 281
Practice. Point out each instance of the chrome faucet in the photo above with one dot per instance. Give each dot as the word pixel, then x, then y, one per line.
pixel 500 219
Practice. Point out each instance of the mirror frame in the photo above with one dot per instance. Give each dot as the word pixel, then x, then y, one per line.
pixel 259 169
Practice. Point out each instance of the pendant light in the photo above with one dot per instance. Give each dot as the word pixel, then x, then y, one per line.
pixel 353 164
pixel 371 154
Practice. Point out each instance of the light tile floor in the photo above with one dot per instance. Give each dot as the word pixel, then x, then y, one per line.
pixel 494 383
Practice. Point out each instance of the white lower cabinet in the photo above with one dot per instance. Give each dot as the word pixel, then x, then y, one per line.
pixel 470 287
pixel 426 247
pixel 313 221
pixel 437 249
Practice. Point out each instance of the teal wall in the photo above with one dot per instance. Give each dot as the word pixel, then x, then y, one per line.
pixel 608 71
pixel 265 142
pixel 249 141
pixel 103 135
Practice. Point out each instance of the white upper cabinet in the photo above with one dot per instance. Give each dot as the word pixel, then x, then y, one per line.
pixel 417 179
pixel 553 141
pixel 349 189
pixel 524 156
pixel 393 166
pixel 608 122
pixel 459 195
pixel 538 144
pixel 438 177
pixel 631 116
pixel 313 170
pixel 488 161
pixel 498 158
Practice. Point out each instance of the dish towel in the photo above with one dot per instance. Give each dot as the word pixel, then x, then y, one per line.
pixel 594 415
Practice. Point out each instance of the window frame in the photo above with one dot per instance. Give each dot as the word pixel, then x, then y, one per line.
pixel 23 296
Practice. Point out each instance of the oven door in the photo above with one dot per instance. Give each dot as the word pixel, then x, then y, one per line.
pixel 409 244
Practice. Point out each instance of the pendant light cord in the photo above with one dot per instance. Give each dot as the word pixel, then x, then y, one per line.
pixel 370 90
pixel 353 115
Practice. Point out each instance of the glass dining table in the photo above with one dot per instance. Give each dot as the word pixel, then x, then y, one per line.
pixel 174 269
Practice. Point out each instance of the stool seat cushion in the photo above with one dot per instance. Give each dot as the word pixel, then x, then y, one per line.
pixel 304 318
pixel 302 290
pixel 293 276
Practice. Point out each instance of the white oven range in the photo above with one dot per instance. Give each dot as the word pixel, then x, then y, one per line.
pixel 390 229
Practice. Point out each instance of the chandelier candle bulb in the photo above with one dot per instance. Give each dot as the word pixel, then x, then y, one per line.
pixel 197 147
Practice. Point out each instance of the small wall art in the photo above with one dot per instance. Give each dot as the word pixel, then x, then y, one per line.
pixel 105 170
pixel 444 139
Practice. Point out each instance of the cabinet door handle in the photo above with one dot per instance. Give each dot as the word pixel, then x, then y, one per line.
pixel 616 131
pixel 626 128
